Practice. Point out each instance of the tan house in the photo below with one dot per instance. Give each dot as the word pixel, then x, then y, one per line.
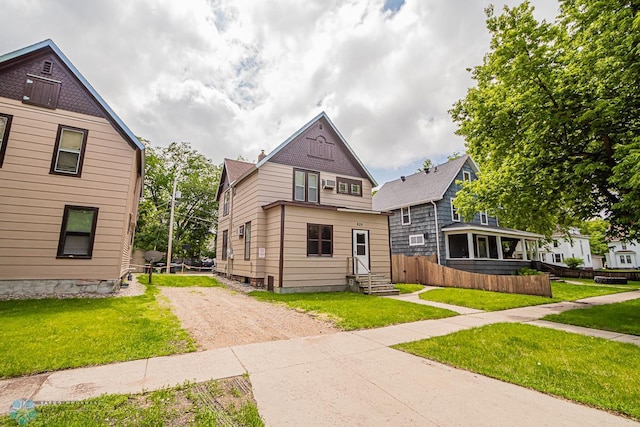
pixel 71 175
pixel 300 220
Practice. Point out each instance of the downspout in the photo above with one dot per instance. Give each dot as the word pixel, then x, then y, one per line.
pixel 435 214
pixel 230 238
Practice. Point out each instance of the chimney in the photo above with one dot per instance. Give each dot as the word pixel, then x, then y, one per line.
pixel 403 178
pixel 261 155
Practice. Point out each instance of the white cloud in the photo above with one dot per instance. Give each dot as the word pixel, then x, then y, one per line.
pixel 234 77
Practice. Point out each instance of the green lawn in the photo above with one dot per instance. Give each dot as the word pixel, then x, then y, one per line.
pixel 174 281
pixel 623 317
pixel 50 334
pixel 590 370
pixel 408 288
pixel 356 311
pixel 494 301
pixel 189 404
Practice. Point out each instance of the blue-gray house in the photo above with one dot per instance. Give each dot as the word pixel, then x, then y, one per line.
pixel 425 222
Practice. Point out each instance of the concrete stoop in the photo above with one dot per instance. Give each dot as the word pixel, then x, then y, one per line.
pixel 380 285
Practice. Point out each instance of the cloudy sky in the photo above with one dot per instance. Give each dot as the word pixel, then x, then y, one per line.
pixel 233 77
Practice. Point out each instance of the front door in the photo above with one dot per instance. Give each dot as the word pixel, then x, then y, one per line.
pixel 361 251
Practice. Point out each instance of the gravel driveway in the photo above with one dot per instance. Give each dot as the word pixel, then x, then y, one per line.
pixel 219 317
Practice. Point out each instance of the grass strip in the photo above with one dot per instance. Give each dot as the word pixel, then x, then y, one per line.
pixel 173 281
pixel 189 404
pixel 408 288
pixel 622 317
pixel 494 301
pixel 50 334
pixel 594 371
pixel 352 311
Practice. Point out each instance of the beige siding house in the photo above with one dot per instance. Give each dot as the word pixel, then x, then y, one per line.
pixel 71 176
pixel 300 220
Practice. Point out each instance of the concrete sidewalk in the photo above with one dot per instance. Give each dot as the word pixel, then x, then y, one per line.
pixel 348 378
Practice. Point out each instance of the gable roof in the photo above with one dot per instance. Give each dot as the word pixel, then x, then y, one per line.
pixel 420 187
pixel 48 44
pixel 304 128
pixel 231 171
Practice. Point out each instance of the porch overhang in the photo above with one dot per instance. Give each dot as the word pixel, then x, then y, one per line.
pixel 490 230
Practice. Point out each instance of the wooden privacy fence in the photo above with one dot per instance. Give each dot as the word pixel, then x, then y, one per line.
pixel 426 270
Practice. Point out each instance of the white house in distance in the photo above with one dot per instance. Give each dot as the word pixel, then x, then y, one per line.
pixel 575 245
pixel 623 255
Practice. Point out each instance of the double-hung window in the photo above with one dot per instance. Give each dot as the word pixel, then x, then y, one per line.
pixel 305 186
pixel 319 240
pixel 5 125
pixel 78 232
pixel 455 216
pixel 68 153
pixel 225 243
pixel 484 218
pixel 247 241
pixel 225 203
pixel 406 215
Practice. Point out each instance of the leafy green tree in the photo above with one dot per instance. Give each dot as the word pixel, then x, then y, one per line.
pixel 554 118
pixel 196 209
pixel 596 229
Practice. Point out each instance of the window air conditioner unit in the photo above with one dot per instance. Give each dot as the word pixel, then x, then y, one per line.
pixel 328 184
pixel 241 231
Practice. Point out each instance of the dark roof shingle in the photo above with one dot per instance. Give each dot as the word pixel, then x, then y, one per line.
pixel 421 187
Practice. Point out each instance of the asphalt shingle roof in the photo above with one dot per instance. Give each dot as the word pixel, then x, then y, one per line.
pixel 235 168
pixel 418 188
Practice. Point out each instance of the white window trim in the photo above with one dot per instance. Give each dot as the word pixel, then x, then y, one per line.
pixel 408 208
pixel 454 214
pixel 486 218
pixel 419 240
pixel 466 176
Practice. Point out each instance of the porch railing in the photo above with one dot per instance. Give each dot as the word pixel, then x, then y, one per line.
pixel 352 265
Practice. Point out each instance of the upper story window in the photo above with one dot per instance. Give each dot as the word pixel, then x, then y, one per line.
pixel 555 244
pixel 78 232
pixel 349 186
pixel 484 218
pixel 41 91
pixel 68 153
pixel 305 186
pixel 5 126
pixel 624 246
pixel 405 213
pixel 320 148
pixel 225 203
pixel 466 176
pixel 455 216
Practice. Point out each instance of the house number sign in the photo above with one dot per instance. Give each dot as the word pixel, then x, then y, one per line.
pixel 359 224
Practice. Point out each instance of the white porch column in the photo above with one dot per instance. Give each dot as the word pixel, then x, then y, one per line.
pixel 470 245
pixel 523 243
pixel 499 242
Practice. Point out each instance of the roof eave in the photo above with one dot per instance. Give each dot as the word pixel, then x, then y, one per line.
pixel 48 43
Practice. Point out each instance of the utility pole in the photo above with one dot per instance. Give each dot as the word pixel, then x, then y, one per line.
pixel 173 205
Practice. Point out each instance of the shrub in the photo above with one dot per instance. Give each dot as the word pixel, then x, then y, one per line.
pixel 573 262
pixel 526 271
